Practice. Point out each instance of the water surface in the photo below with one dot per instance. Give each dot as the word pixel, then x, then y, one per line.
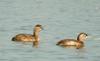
pixel 60 19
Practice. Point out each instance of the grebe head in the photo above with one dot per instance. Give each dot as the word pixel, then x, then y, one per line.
pixel 82 36
pixel 38 27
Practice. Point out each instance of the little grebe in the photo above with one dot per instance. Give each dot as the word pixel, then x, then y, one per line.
pixel 29 37
pixel 79 43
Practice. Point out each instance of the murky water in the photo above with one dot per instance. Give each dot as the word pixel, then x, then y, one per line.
pixel 60 19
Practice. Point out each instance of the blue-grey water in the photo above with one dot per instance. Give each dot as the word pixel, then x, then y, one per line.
pixel 60 19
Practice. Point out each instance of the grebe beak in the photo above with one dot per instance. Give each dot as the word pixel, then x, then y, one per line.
pixel 42 28
pixel 87 36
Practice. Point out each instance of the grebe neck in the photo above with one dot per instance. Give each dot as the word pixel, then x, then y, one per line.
pixel 79 38
pixel 36 37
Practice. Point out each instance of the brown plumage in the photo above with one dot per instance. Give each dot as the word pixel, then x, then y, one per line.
pixel 29 37
pixel 78 43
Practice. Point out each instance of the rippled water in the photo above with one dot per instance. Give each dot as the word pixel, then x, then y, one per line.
pixel 60 19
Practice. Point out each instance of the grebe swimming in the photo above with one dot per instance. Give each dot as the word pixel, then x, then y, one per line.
pixel 78 43
pixel 29 37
